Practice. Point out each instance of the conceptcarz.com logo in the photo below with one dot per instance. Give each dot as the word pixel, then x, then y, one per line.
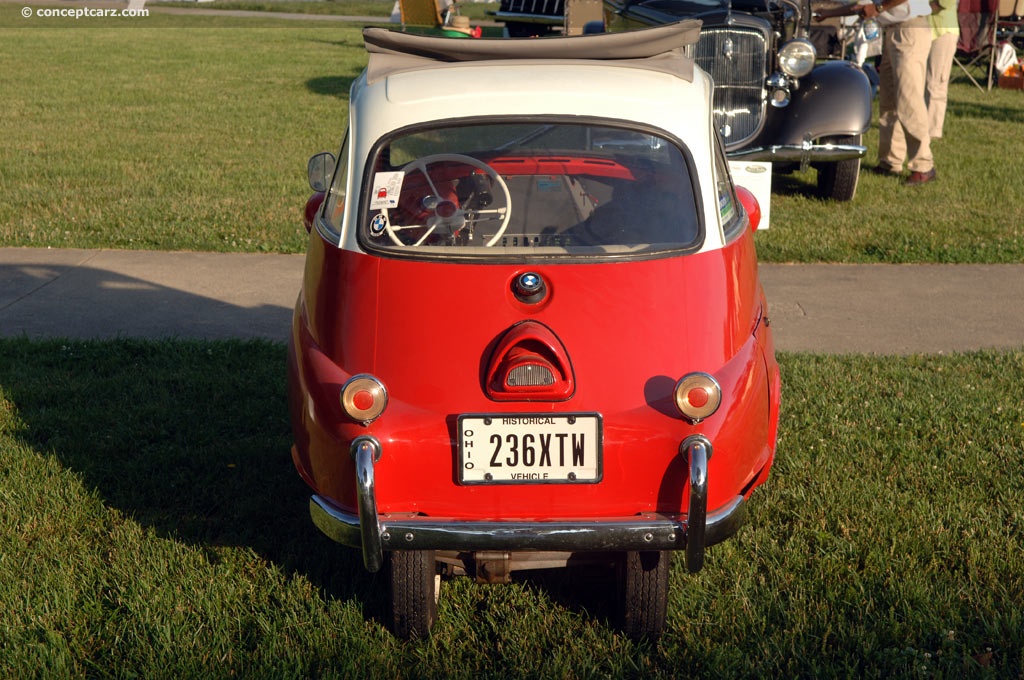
pixel 81 12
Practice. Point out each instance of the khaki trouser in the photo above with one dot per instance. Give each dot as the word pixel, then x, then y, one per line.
pixel 901 103
pixel 940 63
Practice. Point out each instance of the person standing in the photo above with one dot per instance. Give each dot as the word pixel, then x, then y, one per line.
pixel 945 34
pixel 907 39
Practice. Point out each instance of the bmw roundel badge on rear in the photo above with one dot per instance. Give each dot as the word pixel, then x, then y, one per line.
pixel 521 448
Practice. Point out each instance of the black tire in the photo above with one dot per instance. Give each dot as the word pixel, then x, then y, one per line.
pixel 838 181
pixel 643 594
pixel 412 593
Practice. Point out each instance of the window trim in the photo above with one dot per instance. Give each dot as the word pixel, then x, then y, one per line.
pixel 738 226
pixel 340 179
pixel 362 226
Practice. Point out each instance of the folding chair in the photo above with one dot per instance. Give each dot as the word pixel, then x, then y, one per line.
pixel 1011 15
pixel 580 13
pixel 974 50
pixel 435 13
pixel 1009 28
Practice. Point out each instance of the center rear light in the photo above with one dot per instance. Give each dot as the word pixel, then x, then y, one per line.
pixel 529 364
pixel 534 372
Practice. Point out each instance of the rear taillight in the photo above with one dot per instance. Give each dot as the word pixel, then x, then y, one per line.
pixel 312 208
pixel 363 398
pixel 697 396
pixel 751 206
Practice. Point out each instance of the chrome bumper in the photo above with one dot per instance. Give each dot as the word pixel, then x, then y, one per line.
pixel 807 152
pixel 649 531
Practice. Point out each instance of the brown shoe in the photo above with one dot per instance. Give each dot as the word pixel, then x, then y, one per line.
pixel 885 170
pixel 920 178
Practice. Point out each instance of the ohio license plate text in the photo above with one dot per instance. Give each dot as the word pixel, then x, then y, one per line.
pixel 530 449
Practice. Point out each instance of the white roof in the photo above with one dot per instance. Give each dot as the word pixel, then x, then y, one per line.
pixel 418 79
pixel 644 76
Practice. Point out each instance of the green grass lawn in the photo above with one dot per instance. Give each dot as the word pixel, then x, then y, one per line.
pixel 192 132
pixel 476 11
pixel 357 8
pixel 153 526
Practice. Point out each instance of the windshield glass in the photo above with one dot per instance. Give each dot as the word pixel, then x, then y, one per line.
pixel 530 189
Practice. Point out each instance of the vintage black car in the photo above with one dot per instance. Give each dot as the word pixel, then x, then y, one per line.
pixel 776 98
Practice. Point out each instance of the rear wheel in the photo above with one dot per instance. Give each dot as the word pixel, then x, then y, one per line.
pixel 838 181
pixel 643 593
pixel 412 593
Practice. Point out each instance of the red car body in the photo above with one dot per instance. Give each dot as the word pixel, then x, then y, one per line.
pixel 516 403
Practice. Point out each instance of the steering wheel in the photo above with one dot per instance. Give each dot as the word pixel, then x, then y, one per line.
pixel 446 212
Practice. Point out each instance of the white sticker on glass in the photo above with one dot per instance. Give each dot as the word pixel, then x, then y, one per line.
pixel 386 188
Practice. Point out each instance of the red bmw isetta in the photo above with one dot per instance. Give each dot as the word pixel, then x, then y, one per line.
pixel 531 331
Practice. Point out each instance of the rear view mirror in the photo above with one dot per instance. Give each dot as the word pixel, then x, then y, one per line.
pixel 321 169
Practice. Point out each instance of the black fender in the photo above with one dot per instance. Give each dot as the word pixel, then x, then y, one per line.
pixel 833 100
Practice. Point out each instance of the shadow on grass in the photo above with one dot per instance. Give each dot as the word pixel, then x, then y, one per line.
pixel 188 438
pixel 974 109
pixel 192 440
pixel 796 184
pixel 331 86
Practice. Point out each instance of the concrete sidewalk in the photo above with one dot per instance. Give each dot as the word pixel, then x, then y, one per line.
pixel 871 309
pixel 104 294
pixel 895 309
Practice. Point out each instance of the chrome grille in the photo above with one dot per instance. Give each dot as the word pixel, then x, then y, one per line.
pixel 735 58
pixel 546 7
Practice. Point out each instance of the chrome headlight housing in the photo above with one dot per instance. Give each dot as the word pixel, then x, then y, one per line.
pixel 796 57
pixel 778 90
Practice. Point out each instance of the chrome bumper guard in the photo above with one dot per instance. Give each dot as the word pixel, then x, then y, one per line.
pixel 801 153
pixel 648 531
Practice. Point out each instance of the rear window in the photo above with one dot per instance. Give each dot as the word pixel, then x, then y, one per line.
pixel 546 189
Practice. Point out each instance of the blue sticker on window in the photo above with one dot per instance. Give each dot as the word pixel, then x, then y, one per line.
pixel 725 207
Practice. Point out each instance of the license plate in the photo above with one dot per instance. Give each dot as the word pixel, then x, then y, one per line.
pixel 530 449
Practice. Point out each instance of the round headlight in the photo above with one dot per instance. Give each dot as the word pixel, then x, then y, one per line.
pixel 697 396
pixel 796 58
pixel 363 398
